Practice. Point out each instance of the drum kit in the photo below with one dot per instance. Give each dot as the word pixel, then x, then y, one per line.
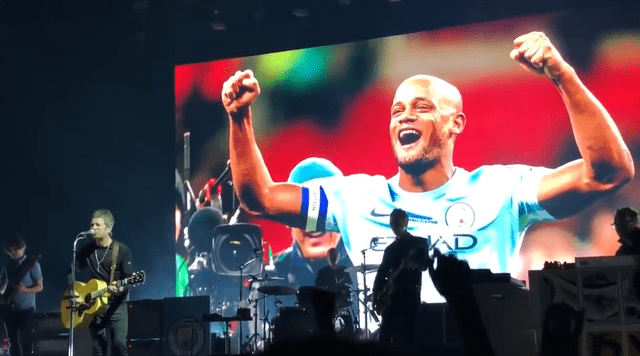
pixel 300 321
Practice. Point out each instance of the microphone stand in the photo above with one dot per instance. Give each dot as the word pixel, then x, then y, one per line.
pixel 366 291
pixel 72 300
pixel 240 268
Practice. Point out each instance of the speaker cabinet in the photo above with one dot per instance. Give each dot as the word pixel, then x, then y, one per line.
pixel 506 315
pixel 52 339
pixel 145 319
pixel 184 334
pixel 48 325
pixel 149 347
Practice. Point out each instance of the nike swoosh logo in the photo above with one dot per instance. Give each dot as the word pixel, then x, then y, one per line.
pixel 377 214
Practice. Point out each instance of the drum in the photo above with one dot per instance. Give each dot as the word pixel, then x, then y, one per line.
pixel 344 323
pixel 343 296
pixel 305 296
pixel 292 324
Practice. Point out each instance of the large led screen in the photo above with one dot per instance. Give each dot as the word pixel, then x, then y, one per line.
pixel 333 102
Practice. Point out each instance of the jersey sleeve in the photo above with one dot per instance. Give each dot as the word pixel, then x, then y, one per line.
pixel 525 195
pixel 321 202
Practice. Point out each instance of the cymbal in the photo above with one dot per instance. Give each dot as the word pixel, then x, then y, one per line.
pixel 277 290
pixel 266 279
pixel 359 268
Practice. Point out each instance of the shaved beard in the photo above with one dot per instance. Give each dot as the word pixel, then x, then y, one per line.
pixel 428 157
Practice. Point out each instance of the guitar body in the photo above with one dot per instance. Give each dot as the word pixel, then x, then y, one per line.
pixel 85 313
pixel 383 299
pixel 93 299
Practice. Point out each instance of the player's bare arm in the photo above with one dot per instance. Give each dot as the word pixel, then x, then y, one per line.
pixel 257 192
pixel 606 162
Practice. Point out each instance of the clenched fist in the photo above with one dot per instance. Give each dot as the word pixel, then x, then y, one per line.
pixel 535 53
pixel 239 91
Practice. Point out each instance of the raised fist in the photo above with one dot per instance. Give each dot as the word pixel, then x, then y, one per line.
pixel 450 276
pixel 239 91
pixel 535 53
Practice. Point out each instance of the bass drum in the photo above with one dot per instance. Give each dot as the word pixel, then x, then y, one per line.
pixel 293 324
pixel 305 297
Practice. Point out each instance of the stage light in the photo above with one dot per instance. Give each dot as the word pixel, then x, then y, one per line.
pixel 259 11
pixel 217 22
pixel 301 8
pixel 301 11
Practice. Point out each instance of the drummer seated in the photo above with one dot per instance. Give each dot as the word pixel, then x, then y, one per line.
pixel 334 278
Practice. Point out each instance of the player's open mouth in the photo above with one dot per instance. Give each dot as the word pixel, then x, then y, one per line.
pixel 314 234
pixel 407 137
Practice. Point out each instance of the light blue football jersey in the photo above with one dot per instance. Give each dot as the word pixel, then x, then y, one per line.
pixel 480 216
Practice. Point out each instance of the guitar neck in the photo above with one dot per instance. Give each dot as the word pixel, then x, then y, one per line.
pixel 12 289
pixel 100 292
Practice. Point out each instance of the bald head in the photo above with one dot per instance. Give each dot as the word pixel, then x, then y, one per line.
pixel 443 94
pixel 426 119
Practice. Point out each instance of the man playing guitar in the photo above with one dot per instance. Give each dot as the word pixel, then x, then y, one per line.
pixel 21 280
pixel 396 289
pixel 107 260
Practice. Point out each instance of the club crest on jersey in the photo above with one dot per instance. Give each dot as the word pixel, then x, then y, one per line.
pixel 460 215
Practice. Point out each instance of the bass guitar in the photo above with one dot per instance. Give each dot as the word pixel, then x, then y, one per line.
pixel 6 298
pixel 383 298
pixel 92 298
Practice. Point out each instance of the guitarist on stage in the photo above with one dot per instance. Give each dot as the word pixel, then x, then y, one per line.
pixel 396 289
pixel 98 257
pixel 21 280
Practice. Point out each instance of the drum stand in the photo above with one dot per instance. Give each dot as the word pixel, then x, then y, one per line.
pixel 265 319
pixel 254 338
pixel 267 291
pixel 241 269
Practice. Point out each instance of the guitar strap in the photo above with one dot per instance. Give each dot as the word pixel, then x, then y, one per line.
pixel 114 258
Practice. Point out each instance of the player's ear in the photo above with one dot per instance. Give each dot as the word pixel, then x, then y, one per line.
pixel 458 123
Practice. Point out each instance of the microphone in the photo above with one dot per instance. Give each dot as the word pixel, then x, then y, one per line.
pixel 88 232
pixel 234 217
pixel 187 155
pixel 226 171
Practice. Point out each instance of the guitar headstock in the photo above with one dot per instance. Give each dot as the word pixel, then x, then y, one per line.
pixel 137 278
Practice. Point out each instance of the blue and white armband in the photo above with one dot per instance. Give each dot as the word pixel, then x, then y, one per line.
pixel 314 208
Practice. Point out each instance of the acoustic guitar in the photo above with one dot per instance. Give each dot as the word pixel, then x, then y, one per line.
pixel 93 299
